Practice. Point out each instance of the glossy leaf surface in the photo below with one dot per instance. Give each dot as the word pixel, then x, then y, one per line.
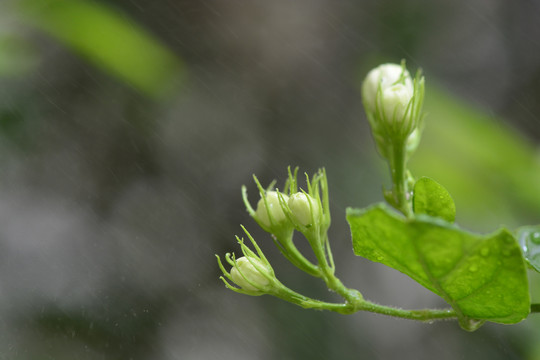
pixel 483 277
pixel 431 198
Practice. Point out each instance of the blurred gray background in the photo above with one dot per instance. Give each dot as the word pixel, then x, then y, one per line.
pixel 120 175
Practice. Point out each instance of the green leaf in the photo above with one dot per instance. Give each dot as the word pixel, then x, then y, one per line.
pixel 483 277
pixel 431 198
pixel 529 240
pixel 107 38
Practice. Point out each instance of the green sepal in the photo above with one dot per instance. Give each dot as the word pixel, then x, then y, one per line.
pixel 431 198
pixel 483 277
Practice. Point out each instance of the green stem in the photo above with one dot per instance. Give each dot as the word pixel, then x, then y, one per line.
pixel 285 243
pixel 297 259
pixel 354 299
pixel 398 171
pixel 355 302
pixel 325 268
pixel 359 304
pixel 420 315
pixel 309 303
pixel 319 243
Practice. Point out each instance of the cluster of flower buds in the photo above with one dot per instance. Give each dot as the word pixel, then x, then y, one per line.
pixel 393 103
pixel 277 210
pixel 280 214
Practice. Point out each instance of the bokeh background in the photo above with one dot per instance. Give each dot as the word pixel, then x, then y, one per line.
pixel 127 128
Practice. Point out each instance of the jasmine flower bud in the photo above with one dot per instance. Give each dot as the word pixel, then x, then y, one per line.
pixel 245 275
pixel 304 208
pixel 274 209
pixel 395 103
pixel 384 76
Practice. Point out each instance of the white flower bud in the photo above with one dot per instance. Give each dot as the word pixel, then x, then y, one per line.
pixel 274 207
pixel 393 103
pixel 301 210
pixel 385 76
pixel 395 100
pixel 250 274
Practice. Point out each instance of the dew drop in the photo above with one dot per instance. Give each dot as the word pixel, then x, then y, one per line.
pixel 484 251
pixel 380 258
pixel 473 268
pixel 535 237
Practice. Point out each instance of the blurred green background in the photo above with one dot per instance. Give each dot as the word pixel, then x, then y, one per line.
pixel 127 128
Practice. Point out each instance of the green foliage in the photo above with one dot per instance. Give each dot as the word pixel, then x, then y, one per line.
pixel 431 198
pixel 107 39
pixel 481 277
pixel 529 240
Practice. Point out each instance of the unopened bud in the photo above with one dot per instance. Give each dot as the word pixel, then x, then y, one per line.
pixel 274 208
pixel 245 275
pixel 385 76
pixel 304 208
pixel 395 103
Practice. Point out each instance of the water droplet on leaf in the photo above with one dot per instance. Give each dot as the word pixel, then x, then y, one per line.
pixel 473 268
